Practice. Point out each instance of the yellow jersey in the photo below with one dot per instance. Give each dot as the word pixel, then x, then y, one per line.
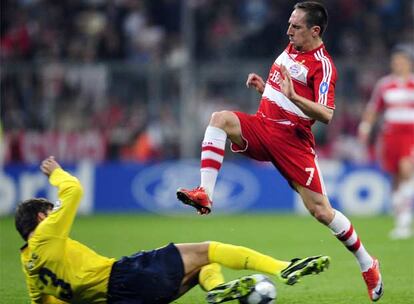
pixel 57 268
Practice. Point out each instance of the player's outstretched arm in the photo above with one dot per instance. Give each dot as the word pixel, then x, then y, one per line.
pixel 59 221
pixel 256 82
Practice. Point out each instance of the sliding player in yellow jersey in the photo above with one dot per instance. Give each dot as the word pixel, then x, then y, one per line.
pixel 61 270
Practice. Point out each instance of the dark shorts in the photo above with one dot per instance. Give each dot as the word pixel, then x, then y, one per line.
pixel 147 277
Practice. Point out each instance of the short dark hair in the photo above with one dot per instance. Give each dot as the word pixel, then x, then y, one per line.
pixel 316 14
pixel 25 218
pixel 405 48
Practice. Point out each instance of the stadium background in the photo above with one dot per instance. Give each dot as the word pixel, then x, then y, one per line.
pixel 121 91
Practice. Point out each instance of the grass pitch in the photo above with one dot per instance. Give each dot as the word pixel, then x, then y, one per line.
pixel 282 236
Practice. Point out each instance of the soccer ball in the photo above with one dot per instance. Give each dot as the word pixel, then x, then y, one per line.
pixel 264 291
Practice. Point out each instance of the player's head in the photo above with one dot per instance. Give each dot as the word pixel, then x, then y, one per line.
pixel 315 15
pixel 307 24
pixel 402 57
pixel 29 214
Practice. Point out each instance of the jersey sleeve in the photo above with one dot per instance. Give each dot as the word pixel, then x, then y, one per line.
pixel 34 292
pixel 36 297
pixel 376 102
pixel 59 221
pixel 325 82
pixel 47 299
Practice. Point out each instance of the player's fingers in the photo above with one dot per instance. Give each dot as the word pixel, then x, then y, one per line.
pixel 283 70
pixel 286 73
pixel 46 161
pixel 249 80
pixel 44 169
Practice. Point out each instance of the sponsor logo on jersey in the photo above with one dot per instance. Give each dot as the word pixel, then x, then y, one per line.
pixel 274 77
pixel 155 187
pixel 323 88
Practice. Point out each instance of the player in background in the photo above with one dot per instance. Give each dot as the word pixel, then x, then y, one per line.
pixel 2 148
pixel 61 270
pixel 299 90
pixel 393 99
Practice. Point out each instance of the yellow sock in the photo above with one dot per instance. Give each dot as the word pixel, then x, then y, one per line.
pixel 210 276
pixel 238 257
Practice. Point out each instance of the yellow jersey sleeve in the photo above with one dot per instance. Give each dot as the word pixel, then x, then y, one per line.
pixel 34 292
pixel 52 300
pixel 60 269
pixel 37 297
pixel 59 221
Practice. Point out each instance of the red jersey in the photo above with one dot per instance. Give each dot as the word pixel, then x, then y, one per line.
pixel 280 132
pixel 314 77
pixel 394 97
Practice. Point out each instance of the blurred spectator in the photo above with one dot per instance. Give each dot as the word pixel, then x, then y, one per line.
pixel 116 66
pixel 16 42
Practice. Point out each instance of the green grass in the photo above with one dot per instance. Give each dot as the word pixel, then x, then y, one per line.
pixel 282 236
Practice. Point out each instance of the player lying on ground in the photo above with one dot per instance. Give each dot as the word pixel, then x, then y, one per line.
pixel 61 270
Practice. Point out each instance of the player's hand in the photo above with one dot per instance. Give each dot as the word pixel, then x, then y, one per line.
pixel 286 84
pixel 49 165
pixel 255 81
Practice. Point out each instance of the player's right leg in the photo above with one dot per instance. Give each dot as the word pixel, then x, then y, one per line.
pixel 222 124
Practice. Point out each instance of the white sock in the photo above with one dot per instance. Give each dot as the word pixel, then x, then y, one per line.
pixel 402 201
pixel 212 155
pixel 343 230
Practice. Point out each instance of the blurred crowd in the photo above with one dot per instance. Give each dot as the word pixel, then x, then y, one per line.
pixel 114 66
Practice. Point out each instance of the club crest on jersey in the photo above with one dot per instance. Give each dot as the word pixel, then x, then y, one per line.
pixel 323 88
pixel 294 70
pixel 57 205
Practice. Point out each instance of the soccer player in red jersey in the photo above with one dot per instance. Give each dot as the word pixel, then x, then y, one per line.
pixel 393 97
pixel 299 90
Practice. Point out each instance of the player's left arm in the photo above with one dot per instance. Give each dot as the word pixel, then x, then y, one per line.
pixel 37 297
pixel 48 299
pixel 314 110
pixel 375 106
pixel 59 221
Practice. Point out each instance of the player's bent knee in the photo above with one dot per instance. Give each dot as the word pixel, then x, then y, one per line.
pixel 194 255
pixel 218 120
pixel 222 119
pixel 406 168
